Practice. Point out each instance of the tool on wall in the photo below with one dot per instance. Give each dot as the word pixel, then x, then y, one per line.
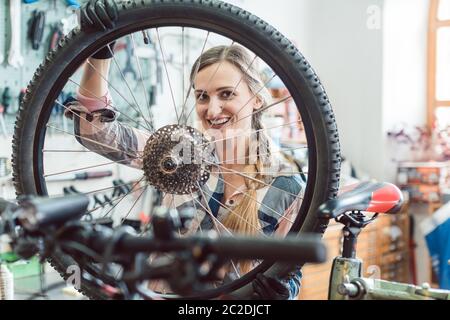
pixel 21 95
pixel 56 34
pixel 36 28
pixel 6 100
pixel 70 3
pixel 2 122
pixel 128 66
pixel 15 58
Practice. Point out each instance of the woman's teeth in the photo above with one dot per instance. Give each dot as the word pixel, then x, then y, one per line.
pixel 219 122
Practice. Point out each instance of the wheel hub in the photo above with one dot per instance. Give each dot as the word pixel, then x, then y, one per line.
pixel 176 160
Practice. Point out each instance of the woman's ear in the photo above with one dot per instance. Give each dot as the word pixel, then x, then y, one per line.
pixel 257 103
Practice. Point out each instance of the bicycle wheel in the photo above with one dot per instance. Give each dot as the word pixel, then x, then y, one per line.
pixel 38 157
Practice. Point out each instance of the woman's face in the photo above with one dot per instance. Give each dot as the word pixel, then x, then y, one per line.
pixel 221 106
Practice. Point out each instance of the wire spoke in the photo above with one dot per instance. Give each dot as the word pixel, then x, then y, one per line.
pixel 209 212
pixel 134 205
pixel 236 214
pixel 196 214
pixel 246 104
pixel 222 59
pixel 128 193
pixel 197 67
pixel 237 85
pixel 265 154
pixel 93 141
pixel 215 219
pixel 112 107
pixel 148 128
pixel 142 80
pixel 109 188
pixel 252 132
pixel 167 73
pixel 183 63
pixel 80 117
pixel 68 151
pixel 260 203
pixel 128 86
pixel 260 110
pixel 84 168
pixel 251 178
pixel 112 201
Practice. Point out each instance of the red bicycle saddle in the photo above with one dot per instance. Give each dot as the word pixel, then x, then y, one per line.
pixel 376 197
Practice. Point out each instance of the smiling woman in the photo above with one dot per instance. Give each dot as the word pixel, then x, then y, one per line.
pixel 253 194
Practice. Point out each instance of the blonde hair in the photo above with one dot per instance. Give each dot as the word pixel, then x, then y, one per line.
pixel 244 218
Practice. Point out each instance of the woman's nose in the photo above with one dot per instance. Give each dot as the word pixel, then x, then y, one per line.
pixel 214 108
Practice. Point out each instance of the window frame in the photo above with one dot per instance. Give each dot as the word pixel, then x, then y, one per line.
pixel 434 24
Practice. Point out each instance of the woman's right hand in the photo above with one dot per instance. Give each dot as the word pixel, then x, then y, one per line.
pixel 98 15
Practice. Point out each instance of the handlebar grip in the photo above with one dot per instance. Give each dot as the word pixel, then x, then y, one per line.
pixel 38 213
pixel 291 249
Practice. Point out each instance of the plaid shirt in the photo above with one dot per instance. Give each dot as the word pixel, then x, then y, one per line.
pixel 278 202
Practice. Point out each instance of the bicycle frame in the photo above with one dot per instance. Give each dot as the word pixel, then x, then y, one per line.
pixel 347 283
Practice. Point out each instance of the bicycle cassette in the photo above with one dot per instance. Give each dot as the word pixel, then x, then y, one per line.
pixel 176 160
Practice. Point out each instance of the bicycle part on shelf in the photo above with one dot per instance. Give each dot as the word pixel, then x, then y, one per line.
pixel 15 58
pixel 120 188
pixel 174 160
pixel 97 201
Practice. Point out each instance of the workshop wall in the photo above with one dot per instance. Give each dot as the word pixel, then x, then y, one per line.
pixel 16 79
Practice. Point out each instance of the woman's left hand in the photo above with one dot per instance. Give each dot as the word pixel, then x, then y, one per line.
pixel 269 288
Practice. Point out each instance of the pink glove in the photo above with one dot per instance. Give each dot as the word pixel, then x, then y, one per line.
pixel 95 104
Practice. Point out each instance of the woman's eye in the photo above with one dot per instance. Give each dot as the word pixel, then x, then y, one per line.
pixel 227 95
pixel 202 97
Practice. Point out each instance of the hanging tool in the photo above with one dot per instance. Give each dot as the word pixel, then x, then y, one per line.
pixel 2 121
pixel 6 100
pixel 15 58
pixel 120 188
pixel 152 95
pixel 128 66
pixel 36 28
pixel 56 34
pixel 21 95
pixel 70 3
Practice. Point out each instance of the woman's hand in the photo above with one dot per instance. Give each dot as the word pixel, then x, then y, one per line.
pixel 107 52
pixel 98 15
pixel 269 288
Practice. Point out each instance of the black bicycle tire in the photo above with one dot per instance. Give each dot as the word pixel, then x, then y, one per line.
pixel 222 18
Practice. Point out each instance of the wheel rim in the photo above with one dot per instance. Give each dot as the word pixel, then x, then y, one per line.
pixel 42 190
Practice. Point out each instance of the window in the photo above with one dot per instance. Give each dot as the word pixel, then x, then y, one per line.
pixel 438 101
